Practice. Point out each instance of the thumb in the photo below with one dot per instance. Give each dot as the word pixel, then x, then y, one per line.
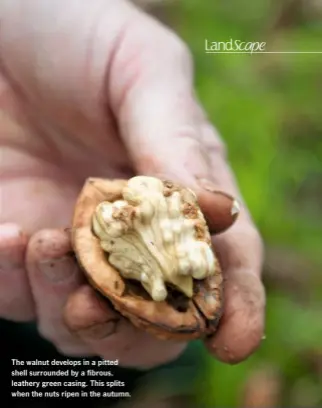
pixel 159 119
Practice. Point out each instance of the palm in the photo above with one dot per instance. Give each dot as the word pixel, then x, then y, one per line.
pixel 41 190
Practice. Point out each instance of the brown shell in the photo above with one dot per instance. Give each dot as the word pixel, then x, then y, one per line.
pixel 181 319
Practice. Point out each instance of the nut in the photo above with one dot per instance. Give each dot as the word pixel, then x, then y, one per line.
pixel 144 244
pixel 156 237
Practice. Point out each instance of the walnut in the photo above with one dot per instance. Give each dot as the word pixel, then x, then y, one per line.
pixel 145 245
pixel 157 239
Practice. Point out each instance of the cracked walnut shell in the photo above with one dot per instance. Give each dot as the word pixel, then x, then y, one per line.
pixel 144 244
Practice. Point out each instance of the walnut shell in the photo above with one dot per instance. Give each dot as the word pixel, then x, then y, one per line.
pixel 178 317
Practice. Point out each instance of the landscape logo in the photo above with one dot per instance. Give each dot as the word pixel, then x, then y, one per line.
pixel 245 47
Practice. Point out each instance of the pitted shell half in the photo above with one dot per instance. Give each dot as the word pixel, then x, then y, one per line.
pixel 179 316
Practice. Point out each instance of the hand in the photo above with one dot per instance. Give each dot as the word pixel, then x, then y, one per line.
pixel 100 89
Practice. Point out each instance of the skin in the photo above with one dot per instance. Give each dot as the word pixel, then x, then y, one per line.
pixel 84 91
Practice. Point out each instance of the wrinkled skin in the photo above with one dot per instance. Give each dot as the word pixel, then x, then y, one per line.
pixel 102 98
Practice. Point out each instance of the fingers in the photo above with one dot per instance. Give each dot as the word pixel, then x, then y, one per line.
pixel 151 96
pixel 220 209
pixel 54 275
pixel 112 336
pixel 242 326
pixel 240 252
pixel 88 315
pixel 88 325
pixel 168 135
pixel 15 295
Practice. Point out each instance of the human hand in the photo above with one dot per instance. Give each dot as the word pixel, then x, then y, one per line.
pixel 100 89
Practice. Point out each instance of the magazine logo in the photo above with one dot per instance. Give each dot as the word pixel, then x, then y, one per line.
pixel 234 47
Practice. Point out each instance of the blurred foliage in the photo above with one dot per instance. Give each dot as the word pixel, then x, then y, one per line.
pixel 268 108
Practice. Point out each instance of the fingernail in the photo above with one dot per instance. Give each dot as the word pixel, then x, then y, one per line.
pixel 233 202
pixel 9 231
pixel 222 208
pixel 12 247
pixel 235 209
pixel 58 270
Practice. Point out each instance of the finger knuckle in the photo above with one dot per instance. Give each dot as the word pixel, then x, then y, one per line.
pixel 213 141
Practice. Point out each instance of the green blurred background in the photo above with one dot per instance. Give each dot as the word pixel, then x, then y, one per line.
pixel 268 110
